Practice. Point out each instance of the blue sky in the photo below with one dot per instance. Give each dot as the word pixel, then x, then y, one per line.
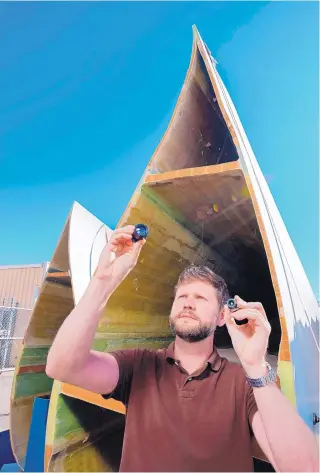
pixel 87 89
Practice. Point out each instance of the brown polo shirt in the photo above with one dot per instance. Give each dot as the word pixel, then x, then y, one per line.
pixel 178 422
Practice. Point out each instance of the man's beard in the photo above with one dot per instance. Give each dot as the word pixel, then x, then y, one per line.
pixel 192 334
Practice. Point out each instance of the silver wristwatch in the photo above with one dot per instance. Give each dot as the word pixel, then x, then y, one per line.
pixel 271 377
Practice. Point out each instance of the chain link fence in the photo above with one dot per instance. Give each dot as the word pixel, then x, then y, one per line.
pixel 13 324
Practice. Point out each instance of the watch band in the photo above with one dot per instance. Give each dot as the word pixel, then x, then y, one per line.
pixel 271 377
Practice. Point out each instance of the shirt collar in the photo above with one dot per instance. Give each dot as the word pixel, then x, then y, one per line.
pixel 214 360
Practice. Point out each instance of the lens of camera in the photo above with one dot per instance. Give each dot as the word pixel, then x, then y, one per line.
pixel 140 231
pixel 231 303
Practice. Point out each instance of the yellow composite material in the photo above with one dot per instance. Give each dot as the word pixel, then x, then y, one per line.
pixel 199 202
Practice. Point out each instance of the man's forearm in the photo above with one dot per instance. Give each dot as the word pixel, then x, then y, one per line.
pixel 292 443
pixel 74 339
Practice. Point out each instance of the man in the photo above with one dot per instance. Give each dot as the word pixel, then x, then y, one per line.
pixel 187 408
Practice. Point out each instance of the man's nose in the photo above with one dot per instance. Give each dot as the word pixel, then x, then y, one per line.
pixel 189 303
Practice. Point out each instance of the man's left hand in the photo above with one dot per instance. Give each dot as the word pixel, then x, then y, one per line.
pixel 250 340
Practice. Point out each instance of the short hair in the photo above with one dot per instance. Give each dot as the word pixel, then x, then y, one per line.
pixel 203 273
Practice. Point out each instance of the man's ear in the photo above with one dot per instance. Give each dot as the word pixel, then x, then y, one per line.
pixel 221 319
